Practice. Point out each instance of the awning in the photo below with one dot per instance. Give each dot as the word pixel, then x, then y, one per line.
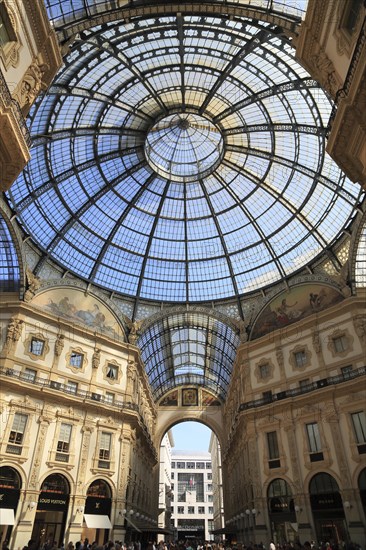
pixel 99 522
pixel 224 531
pixel 7 516
pixel 133 525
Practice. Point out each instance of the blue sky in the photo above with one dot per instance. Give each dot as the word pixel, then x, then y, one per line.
pixel 191 436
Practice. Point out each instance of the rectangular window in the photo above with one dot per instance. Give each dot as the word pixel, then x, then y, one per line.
pixel 181 465
pixel 272 442
pixel 109 397
pixel 304 384
pixel 200 465
pixel 7 33
pixel 351 15
pixel 300 358
pixel 208 465
pixel 112 371
pixel 172 475
pixel 201 509
pixel 63 444
pixel 359 426
pixel 190 509
pixel 210 510
pixel 76 360
pixel 340 343
pixel 264 371
pixel 190 465
pixel 173 464
pixel 180 510
pixel 346 371
pixel 71 386
pixel 273 450
pixel 315 445
pixel 36 346
pixel 209 475
pixel 267 396
pixel 209 498
pixel 209 486
pixel 17 434
pixel 104 450
pixel 30 374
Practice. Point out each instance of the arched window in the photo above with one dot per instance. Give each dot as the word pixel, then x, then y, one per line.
pixel 280 497
pixel 324 493
pixel 56 483
pixel 9 478
pixel 362 487
pixel 99 488
pixel 360 268
pixel 9 264
pixel 323 483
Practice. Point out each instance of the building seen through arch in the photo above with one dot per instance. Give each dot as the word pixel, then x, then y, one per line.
pixel 182 238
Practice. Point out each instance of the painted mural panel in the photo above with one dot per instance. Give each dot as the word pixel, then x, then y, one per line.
pixel 298 303
pixel 79 308
pixel 209 400
pixel 170 400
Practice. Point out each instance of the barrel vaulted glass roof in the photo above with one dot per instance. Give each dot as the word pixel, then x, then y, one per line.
pixel 9 263
pixel 181 158
pixel 189 349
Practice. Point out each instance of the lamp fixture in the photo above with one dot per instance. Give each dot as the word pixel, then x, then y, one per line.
pixel 131 512
pixel 298 509
pixel 347 504
pixel 247 511
pixel 31 505
pixel 255 512
pixel 79 510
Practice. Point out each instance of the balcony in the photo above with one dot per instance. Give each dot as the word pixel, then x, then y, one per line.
pixel 15 139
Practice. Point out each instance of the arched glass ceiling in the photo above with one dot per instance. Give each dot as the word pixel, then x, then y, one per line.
pixel 360 267
pixel 65 13
pixel 189 349
pixel 107 202
pixel 9 263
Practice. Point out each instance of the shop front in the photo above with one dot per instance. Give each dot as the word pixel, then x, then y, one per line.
pixel 281 512
pixel 97 513
pixel 52 508
pixel 10 485
pixel 327 509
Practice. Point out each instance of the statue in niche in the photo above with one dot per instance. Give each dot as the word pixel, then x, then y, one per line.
pixel 32 84
pixel 134 332
pixel 59 344
pixel 14 330
pixel 33 285
pixel 96 358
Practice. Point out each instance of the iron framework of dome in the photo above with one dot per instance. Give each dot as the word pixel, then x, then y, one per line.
pixel 181 158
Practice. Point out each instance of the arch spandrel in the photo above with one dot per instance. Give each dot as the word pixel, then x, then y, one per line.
pixel 293 305
pixel 75 306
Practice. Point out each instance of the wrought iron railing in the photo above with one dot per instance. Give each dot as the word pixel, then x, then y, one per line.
pixel 302 390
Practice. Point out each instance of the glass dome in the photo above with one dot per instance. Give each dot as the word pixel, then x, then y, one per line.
pixel 183 147
pixel 182 158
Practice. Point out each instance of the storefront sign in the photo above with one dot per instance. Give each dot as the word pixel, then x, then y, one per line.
pixel 97 505
pixel 9 498
pixel 52 501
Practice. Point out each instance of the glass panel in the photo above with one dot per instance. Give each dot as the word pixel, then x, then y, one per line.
pixel 313 437
pixel 198 175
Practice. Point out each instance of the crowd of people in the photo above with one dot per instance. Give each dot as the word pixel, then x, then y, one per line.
pixel 50 544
